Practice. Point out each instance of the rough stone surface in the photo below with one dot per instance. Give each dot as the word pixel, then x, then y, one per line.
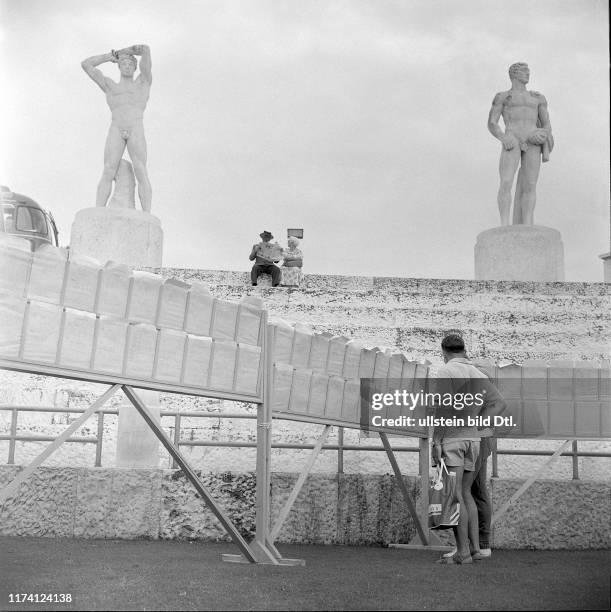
pixel 135 501
pixel 44 504
pixel 371 510
pixel 185 516
pixel 519 253
pixel 501 320
pixel 331 509
pixel 93 504
pixel 553 515
pixel 313 518
pixel 123 235
pixel 117 503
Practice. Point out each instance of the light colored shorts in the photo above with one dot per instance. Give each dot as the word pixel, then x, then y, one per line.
pixel 460 453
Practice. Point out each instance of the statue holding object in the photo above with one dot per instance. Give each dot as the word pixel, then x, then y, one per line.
pixel 526 141
pixel 127 100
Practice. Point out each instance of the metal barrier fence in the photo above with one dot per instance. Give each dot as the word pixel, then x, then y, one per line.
pixel 340 447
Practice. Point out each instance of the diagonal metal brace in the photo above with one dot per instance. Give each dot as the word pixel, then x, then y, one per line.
pixel 406 496
pixel 190 474
pixel 13 486
pixel 528 482
pixel 299 484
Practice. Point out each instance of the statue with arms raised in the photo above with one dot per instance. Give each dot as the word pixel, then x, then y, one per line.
pixel 127 100
pixel 526 141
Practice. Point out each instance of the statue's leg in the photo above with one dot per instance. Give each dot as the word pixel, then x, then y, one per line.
pixel 531 163
pixel 136 147
pixel 113 151
pixel 508 165
pixel 518 213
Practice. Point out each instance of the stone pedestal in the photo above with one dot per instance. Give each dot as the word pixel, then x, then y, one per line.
pixel 519 253
pixel 132 237
pixel 137 445
pixel 606 257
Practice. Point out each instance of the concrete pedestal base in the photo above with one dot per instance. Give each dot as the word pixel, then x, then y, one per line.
pixel 137 445
pixel 606 257
pixel 519 253
pixel 132 237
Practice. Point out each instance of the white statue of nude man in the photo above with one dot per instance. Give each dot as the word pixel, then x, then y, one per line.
pixel 127 100
pixel 526 140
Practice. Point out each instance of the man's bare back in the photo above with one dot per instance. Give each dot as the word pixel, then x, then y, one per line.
pixel 527 138
pixel 127 101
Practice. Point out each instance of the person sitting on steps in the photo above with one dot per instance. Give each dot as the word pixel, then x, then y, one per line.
pixel 292 263
pixel 292 256
pixel 265 255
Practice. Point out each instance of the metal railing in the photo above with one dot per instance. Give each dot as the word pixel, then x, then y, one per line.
pixel 340 447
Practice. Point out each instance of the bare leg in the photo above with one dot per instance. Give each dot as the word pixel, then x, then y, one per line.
pixel 531 163
pixel 508 165
pixel 113 151
pixel 518 213
pixel 461 533
pixel 473 522
pixel 136 147
pixel 479 491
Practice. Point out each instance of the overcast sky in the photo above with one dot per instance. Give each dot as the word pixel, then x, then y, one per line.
pixel 363 122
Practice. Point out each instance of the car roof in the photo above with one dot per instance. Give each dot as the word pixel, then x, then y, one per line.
pixel 10 197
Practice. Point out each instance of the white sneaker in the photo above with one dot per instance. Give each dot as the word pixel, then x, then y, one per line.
pixel 484 552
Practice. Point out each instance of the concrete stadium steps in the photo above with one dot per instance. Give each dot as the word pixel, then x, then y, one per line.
pixel 500 320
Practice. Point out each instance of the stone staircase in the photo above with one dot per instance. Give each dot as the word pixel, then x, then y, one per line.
pixel 501 320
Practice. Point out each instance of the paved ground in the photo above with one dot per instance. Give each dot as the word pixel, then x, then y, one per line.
pixel 169 575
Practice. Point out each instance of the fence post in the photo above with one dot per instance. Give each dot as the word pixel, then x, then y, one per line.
pixel 11 444
pixel 495 459
pixel 176 437
pixel 100 440
pixel 575 450
pixel 261 545
pixel 340 450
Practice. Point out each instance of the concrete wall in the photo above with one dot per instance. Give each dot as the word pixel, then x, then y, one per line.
pixel 349 509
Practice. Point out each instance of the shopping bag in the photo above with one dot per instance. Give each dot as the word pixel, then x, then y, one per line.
pixel 444 509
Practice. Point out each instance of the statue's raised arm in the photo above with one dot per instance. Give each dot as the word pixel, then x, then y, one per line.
pixel 89 66
pixel 144 52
